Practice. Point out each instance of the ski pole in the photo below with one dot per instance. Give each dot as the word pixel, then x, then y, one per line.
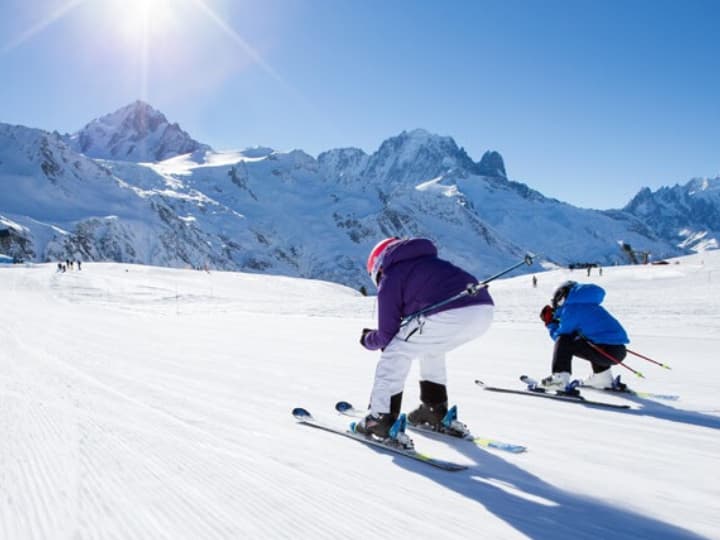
pixel 471 290
pixel 528 260
pixel 648 359
pixel 611 357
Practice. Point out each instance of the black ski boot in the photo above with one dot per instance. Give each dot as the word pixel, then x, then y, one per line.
pixel 433 408
pixel 378 425
pixel 428 414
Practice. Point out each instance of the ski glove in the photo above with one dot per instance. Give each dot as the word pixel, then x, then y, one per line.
pixel 547 315
pixel 365 331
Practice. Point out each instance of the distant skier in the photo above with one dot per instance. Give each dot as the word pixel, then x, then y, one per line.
pixel 410 278
pixel 575 321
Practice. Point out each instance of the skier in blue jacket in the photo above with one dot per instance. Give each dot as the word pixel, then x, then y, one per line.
pixel 411 278
pixel 577 321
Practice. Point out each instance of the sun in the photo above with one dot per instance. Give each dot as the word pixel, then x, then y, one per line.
pixel 152 38
pixel 142 19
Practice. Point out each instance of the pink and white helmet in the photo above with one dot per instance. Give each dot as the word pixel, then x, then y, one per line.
pixel 374 262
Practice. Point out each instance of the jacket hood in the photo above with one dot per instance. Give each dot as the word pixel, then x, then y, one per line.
pixel 585 293
pixel 412 248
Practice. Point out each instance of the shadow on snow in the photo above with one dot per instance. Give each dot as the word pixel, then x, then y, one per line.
pixel 655 409
pixel 538 509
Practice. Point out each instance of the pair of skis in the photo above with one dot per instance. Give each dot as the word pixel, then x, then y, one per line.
pixel 391 444
pixel 571 393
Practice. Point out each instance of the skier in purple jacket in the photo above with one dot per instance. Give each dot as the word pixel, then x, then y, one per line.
pixel 410 279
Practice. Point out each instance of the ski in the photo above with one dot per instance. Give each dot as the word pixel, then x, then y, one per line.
pixel 303 416
pixel 619 387
pixel 536 391
pixel 343 407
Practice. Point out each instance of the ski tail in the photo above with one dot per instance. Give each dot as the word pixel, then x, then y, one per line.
pixel 619 387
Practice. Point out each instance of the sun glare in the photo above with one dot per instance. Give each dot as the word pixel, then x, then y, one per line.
pixel 152 39
pixel 140 19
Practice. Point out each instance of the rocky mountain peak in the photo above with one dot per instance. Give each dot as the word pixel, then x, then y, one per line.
pixel 690 211
pixel 136 132
pixel 491 164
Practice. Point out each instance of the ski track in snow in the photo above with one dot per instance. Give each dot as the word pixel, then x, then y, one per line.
pixel 140 402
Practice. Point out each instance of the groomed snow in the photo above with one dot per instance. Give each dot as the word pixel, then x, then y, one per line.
pixel 144 402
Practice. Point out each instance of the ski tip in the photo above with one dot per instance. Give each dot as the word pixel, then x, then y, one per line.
pixel 300 413
pixel 492 443
pixel 512 448
pixel 342 406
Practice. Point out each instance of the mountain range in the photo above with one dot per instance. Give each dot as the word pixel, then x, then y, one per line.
pixel 133 187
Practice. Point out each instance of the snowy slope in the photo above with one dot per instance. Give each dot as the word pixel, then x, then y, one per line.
pixel 146 402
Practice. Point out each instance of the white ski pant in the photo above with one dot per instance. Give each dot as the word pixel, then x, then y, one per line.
pixel 427 339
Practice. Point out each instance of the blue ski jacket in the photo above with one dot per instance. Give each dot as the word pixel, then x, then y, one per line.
pixel 582 313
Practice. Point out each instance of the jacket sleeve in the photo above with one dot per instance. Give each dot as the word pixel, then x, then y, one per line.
pixel 568 322
pixel 389 315
pixel 552 328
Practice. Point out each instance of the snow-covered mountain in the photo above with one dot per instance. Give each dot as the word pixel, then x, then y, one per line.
pixel 134 133
pixel 687 215
pixel 283 212
pixel 58 204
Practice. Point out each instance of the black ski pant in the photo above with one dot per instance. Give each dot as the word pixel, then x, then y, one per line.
pixel 570 345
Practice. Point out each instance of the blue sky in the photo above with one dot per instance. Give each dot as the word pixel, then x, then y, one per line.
pixel 587 101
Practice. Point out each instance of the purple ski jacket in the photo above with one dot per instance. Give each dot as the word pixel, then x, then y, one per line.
pixel 414 278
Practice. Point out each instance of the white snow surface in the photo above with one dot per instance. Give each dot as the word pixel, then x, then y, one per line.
pixel 148 402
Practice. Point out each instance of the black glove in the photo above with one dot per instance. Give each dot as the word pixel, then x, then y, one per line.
pixel 547 315
pixel 365 332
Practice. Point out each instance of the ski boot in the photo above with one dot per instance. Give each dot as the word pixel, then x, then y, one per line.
pixel 439 418
pixel 428 415
pixel 556 381
pixel 386 429
pixel 377 425
pixel 602 380
pixel 433 407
